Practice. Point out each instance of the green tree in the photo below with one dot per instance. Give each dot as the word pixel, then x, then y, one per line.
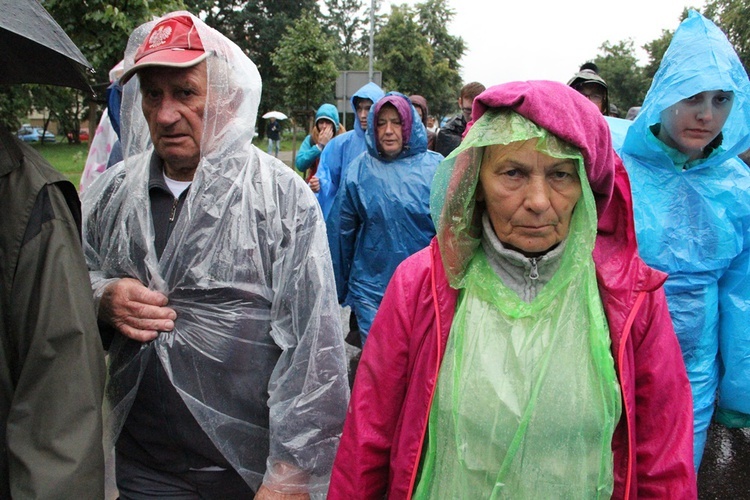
pixel 403 53
pixel 257 27
pixel 64 105
pixel 417 56
pixel 15 103
pixel 656 50
pixel 100 29
pixel 347 23
pixel 434 16
pixel 618 65
pixel 733 17
pixel 305 61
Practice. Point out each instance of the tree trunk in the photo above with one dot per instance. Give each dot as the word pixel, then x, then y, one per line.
pixel 92 120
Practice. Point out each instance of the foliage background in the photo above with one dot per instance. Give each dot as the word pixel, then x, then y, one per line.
pixel 300 46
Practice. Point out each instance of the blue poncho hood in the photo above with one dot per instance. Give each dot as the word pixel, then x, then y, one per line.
pixel 369 91
pixel 699 58
pixel 330 113
pixel 414 143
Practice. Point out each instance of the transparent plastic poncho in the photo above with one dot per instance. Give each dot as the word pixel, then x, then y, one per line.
pixel 527 397
pixel 257 350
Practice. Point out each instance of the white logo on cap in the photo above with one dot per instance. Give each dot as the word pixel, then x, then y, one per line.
pixel 159 37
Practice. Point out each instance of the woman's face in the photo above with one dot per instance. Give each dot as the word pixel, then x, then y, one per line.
pixel 691 124
pixel 529 196
pixel 389 133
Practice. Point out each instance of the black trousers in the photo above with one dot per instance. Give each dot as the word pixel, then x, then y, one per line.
pixel 135 481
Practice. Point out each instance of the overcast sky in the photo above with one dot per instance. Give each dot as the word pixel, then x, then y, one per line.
pixel 510 40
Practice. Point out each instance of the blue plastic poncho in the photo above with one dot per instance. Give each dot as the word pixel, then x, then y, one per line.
pixel 380 217
pixel 342 150
pixel 693 223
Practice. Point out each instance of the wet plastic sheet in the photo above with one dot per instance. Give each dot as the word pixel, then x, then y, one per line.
pixel 527 397
pixel 693 223
pixel 257 351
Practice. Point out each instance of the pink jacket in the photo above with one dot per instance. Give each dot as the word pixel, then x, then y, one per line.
pixel 387 417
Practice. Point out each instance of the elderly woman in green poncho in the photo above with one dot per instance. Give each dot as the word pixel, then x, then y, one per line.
pixel 528 351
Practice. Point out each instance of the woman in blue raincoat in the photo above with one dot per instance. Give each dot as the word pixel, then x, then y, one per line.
pixel 382 212
pixel 325 128
pixel 692 212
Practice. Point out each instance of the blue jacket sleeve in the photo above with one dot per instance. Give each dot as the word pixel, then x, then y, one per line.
pixel 329 175
pixel 343 227
pixel 307 154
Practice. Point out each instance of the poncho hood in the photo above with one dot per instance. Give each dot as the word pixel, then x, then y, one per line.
pixel 699 58
pixel 369 91
pixel 414 134
pixel 420 102
pixel 232 98
pixel 569 116
pixel 330 113
pixel 573 118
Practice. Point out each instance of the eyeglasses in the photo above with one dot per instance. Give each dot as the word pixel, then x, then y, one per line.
pixel 595 98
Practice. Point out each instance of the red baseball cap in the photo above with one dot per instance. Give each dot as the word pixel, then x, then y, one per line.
pixel 174 42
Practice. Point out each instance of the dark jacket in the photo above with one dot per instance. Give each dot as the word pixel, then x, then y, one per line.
pixel 51 361
pixel 449 136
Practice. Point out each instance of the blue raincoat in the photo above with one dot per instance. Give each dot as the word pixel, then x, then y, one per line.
pixel 693 222
pixel 342 150
pixel 380 217
pixel 308 151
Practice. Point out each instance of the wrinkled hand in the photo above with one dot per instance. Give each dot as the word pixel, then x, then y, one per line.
pixel 314 184
pixel 325 133
pixel 135 311
pixel 265 493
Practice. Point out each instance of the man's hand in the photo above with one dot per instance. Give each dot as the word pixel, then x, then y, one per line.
pixel 314 184
pixel 135 311
pixel 265 493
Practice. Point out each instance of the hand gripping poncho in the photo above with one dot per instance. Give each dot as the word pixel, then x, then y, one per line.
pixel 693 223
pixel 257 350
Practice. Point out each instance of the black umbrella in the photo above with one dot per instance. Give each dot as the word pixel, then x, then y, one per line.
pixel 35 49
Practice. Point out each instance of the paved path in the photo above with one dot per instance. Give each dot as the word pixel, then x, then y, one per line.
pixel 286 157
pixel 725 469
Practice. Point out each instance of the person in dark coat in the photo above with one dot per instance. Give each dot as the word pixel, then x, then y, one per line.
pixel 449 136
pixel 51 358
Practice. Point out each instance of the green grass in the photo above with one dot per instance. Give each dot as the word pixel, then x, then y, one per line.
pixel 68 159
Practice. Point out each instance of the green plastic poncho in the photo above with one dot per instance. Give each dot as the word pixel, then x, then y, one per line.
pixel 527 397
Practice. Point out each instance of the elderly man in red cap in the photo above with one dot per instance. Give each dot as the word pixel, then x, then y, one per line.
pixel 209 263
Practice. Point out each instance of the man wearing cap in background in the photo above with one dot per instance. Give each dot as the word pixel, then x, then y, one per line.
pixel 588 82
pixel 210 266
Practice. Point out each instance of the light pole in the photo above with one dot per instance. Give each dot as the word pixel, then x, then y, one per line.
pixel 372 37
